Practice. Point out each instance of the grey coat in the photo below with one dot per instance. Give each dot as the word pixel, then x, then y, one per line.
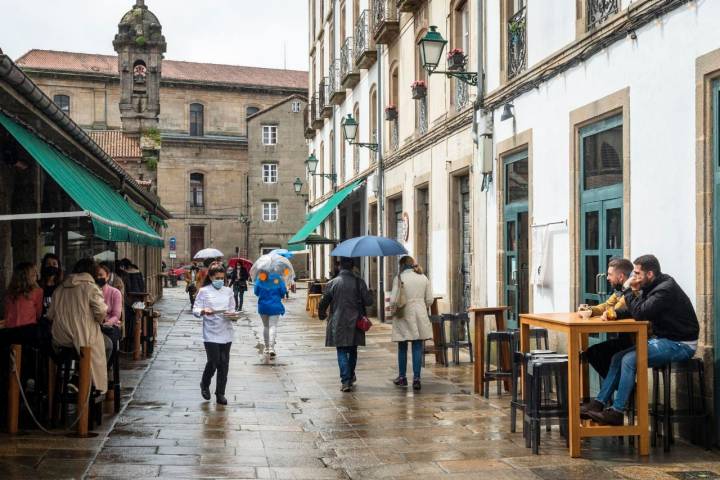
pixel 346 295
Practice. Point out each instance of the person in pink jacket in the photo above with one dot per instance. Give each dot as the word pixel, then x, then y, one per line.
pixel 114 301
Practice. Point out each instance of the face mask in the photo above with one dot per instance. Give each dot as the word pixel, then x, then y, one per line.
pixel 218 284
pixel 100 282
pixel 50 271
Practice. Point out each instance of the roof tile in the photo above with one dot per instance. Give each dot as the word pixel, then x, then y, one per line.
pixel 117 144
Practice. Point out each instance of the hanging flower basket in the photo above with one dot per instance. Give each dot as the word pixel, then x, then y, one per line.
pixel 419 89
pixel 391 113
pixel 456 59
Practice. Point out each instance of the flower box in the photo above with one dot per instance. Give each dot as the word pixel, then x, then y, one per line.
pixel 391 113
pixel 419 90
pixel 456 59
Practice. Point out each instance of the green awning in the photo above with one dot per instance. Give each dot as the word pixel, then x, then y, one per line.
pixel 158 220
pixel 112 216
pixel 316 217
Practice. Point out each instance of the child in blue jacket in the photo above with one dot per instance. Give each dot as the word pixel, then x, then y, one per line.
pixel 270 290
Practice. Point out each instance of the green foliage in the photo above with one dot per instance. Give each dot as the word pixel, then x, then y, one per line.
pixel 140 40
pixel 151 163
pixel 153 134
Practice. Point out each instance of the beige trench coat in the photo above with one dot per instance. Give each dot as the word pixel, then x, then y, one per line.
pixel 413 322
pixel 77 310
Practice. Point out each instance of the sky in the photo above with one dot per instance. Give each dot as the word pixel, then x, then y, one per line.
pixel 261 33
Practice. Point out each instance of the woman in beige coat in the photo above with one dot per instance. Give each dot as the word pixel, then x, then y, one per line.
pixel 411 297
pixel 77 310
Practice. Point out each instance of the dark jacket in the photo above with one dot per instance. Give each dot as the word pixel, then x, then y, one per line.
pixel 239 278
pixel 347 296
pixel 667 308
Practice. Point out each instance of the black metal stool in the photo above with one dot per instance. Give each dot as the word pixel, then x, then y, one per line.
pixel 540 335
pixel 515 401
pixel 504 343
pixel 540 405
pixel 459 334
pixel 667 415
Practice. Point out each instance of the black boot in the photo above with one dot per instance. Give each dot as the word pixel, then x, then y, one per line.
pixel 220 399
pixel 204 391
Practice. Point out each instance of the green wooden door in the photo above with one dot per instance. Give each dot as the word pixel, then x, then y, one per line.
pixel 516 230
pixel 716 246
pixel 600 240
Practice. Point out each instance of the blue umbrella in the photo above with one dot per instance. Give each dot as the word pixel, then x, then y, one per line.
pixel 283 252
pixel 369 246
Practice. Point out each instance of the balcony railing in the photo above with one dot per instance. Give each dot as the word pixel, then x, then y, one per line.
pixel 365 53
pixel 349 73
pixel 517 43
pixel 337 91
pixel 195 208
pixel 408 5
pixel 386 26
pixel 598 11
pixel 324 98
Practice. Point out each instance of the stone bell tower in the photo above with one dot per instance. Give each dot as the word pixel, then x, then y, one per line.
pixel 140 46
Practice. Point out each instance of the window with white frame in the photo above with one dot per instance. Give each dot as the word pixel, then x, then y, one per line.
pixel 270 172
pixel 270 211
pixel 269 134
pixel 296 107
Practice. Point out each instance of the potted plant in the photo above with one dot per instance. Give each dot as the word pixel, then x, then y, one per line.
pixel 516 28
pixel 391 113
pixel 419 89
pixel 456 59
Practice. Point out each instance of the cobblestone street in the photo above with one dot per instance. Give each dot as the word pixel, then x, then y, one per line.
pixel 288 419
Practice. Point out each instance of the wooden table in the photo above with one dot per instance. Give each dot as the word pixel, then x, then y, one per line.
pixel 577 330
pixel 479 341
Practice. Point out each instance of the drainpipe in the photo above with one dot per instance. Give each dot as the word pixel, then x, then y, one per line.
pixel 380 183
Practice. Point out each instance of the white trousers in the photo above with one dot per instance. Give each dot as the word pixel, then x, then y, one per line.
pixel 270 323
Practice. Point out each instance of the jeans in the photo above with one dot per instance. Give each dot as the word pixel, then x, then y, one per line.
pixel 347 359
pixel 218 359
pixel 239 297
pixel 269 329
pixel 621 376
pixel 417 357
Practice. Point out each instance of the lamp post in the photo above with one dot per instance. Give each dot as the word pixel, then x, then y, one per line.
pixel 312 163
pixel 350 126
pixel 431 47
pixel 297 185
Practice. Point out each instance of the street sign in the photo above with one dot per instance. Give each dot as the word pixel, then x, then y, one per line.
pixel 173 254
pixel 173 244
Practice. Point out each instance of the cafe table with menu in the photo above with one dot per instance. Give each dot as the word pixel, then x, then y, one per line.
pixel 577 330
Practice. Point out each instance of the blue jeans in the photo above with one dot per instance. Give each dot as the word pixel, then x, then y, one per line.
pixel 347 359
pixel 417 355
pixel 621 376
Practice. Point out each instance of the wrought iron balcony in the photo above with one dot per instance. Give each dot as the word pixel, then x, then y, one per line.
pixel 337 91
pixel 517 43
pixel 324 98
pixel 365 53
pixel 598 11
pixel 349 73
pixel 408 5
pixel 195 207
pixel 386 25
pixel 316 118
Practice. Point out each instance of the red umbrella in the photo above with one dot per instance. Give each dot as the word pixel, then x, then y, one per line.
pixel 243 261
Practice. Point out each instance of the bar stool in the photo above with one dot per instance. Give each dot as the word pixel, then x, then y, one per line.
pixel 440 347
pixel 67 361
pixel 459 334
pixel 540 404
pixel 504 342
pixel 540 335
pixel 516 403
pixel 667 415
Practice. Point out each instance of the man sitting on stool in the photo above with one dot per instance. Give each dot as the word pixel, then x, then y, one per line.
pixel 657 298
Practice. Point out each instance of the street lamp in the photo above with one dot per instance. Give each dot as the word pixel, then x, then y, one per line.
pixel 350 126
pixel 297 185
pixel 431 48
pixel 312 163
pixel 507 112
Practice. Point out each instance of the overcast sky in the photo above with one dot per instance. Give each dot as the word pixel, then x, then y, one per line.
pixel 237 32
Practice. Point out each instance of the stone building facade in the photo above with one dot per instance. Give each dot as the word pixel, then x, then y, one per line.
pixel 179 128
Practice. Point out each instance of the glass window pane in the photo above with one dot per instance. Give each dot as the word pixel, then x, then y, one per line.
pixel 511 237
pixel 516 181
pixel 602 158
pixel 592 264
pixel 592 230
pixel 613 228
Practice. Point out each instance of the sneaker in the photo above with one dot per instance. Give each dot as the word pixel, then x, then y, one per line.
pixel 354 380
pixel 416 384
pixel 401 382
pixel 204 391
pixel 608 416
pixel 591 406
pixel 346 387
pixel 220 399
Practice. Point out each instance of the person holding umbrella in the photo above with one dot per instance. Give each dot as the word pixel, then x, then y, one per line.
pixel 271 273
pixel 347 295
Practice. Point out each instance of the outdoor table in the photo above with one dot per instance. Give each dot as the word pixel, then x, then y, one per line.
pixel 479 342
pixel 577 330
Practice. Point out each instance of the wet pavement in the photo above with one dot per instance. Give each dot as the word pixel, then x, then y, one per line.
pixel 287 419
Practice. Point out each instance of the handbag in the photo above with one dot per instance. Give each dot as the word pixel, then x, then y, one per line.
pixel 363 323
pixel 400 299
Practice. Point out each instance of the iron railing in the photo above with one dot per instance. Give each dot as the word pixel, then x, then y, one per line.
pixel 323 93
pixel 363 42
pixel 598 11
pixel 347 60
pixel 517 43
pixel 384 11
pixel 334 78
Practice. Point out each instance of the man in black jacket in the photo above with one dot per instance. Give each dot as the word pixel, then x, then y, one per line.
pixel 657 298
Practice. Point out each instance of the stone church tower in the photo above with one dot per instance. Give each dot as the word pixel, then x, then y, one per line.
pixel 140 46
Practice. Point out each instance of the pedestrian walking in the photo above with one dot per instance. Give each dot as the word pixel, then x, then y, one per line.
pixel 238 282
pixel 410 299
pixel 347 295
pixel 216 306
pixel 270 289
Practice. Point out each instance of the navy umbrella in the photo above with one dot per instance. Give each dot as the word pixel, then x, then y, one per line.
pixel 369 246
